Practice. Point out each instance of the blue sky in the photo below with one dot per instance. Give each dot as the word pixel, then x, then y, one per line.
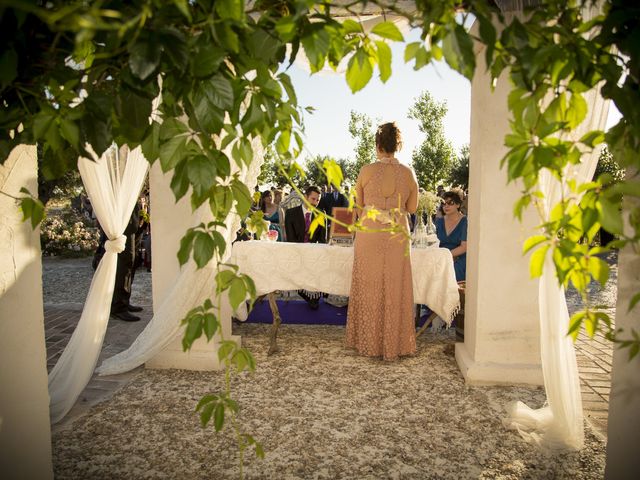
pixel 327 128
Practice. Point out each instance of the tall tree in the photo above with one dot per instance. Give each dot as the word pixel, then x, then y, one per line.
pixel 433 159
pixel 271 174
pixel 361 129
pixel 459 176
pixel 316 174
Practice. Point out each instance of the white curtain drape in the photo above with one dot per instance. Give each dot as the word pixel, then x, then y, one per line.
pixel 192 287
pixel 559 424
pixel 113 183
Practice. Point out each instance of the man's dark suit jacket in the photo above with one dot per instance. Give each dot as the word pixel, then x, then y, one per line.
pixel 294 226
pixel 328 202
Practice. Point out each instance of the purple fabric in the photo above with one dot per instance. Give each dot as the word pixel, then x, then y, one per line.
pixel 298 312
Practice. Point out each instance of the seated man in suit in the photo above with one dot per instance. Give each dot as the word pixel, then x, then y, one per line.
pixel 297 221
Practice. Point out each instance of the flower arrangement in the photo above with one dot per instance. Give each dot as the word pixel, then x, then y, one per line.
pixel 67 234
pixel 428 203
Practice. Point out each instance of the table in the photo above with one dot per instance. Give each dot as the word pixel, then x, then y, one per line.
pixel 319 267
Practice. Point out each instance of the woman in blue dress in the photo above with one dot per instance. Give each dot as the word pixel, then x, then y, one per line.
pixel 270 211
pixel 452 231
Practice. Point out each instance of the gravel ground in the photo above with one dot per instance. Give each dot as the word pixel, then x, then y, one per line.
pixel 320 411
pixel 67 281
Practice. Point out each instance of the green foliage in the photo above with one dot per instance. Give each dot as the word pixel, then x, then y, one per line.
pixel 459 175
pixel 316 170
pixel 204 241
pixel 31 207
pixel 270 172
pixel 204 319
pixel 362 131
pixel 553 57
pixel 433 159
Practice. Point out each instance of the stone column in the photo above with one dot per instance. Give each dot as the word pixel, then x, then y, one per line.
pixel 502 335
pixel 623 430
pixel 169 222
pixel 25 432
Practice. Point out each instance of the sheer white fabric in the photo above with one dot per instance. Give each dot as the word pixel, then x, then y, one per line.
pixel 113 183
pixel 559 424
pixel 191 288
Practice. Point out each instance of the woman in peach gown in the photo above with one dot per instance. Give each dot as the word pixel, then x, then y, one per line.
pixel 380 319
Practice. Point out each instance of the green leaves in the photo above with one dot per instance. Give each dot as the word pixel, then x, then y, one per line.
pixel 253 117
pixel 199 319
pixel 532 242
pixel 230 9
pixel 359 70
pixel 609 215
pixel 242 197
pixel 201 173
pixel 240 287
pixel 144 56
pixel 32 208
pixel 333 172
pixel 316 46
pixel 215 405
pixel 231 353
pixel 457 47
pixel 536 262
pixel 577 110
pixel 172 151
pixel 204 242
pixel 207 60
pixel 219 92
pixel 388 30
pixel 384 60
pixel 8 67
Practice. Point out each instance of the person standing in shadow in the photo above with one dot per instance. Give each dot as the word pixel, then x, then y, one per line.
pixel 333 198
pixel 121 307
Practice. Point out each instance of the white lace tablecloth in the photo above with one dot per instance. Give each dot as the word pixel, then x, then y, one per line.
pixel 323 268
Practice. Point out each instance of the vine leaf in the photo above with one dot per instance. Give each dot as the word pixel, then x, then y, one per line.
pixel 32 208
pixel 388 30
pixel 359 70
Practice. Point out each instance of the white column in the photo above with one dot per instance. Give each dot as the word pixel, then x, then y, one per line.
pixel 623 430
pixel 169 222
pixel 25 432
pixel 502 332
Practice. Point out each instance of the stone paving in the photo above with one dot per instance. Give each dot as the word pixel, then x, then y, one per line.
pixel 63 310
pixel 594 358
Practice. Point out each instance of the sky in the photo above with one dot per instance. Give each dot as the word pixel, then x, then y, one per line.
pixel 327 128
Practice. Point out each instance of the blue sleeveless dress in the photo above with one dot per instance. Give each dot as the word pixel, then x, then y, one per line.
pixel 453 240
pixel 275 223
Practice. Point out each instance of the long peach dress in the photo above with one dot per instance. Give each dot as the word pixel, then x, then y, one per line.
pixel 380 319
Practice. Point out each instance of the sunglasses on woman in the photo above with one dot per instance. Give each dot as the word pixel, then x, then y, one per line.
pixel 449 202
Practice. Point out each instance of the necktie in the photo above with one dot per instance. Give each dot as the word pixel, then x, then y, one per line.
pixel 335 196
pixel 307 222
